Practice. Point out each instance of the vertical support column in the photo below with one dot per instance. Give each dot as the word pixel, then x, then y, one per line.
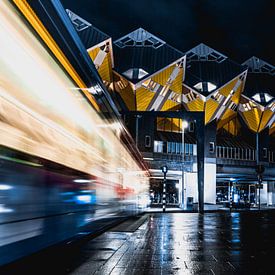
pixel 184 197
pixel 200 135
pixel 264 193
pixel 262 146
pixel 270 193
pixel 210 166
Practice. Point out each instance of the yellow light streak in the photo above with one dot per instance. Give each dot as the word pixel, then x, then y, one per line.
pixel 40 115
pixel 47 38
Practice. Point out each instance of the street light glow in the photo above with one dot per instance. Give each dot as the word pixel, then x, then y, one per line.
pixel 184 124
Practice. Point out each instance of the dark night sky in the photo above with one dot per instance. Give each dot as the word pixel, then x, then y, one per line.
pixel 237 28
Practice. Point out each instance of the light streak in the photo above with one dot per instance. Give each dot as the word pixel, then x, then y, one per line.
pixel 42 114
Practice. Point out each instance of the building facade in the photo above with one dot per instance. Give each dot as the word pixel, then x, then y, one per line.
pixel 145 75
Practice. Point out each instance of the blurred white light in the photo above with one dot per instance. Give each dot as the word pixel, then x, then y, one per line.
pixel 66 133
pixel 5 187
pixel 82 181
pixel 143 201
pixel 148 158
pixel 3 209
pixel 231 179
pixel 95 90
pixel 120 169
pixel 83 199
pixel 184 124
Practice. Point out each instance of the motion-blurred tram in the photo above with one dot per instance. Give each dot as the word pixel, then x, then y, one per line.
pixel 64 171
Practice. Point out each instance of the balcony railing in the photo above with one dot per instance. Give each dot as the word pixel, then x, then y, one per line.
pixel 173 151
pixel 235 153
pixel 173 157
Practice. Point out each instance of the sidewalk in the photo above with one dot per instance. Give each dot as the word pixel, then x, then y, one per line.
pixel 207 208
pixel 172 243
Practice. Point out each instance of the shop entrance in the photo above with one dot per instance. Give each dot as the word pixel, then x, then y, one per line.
pixel 243 194
pixel 156 192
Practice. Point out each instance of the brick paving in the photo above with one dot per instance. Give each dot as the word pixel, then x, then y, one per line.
pixel 187 243
pixel 168 243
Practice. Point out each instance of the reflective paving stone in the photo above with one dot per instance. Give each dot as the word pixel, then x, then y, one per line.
pixel 190 243
pixel 180 243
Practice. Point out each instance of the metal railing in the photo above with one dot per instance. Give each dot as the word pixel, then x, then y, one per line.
pixel 173 157
pixel 222 152
pixel 235 153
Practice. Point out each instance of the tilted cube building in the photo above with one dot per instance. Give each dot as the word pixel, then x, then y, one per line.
pixel 145 73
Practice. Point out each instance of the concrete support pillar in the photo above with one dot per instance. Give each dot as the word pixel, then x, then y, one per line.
pixel 191 186
pixel 200 135
pixel 180 191
pixel 210 181
pixel 264 193
pixel 210 163
pixel 270 193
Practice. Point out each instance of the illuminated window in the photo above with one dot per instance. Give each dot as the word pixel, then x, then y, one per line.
pixel 198 86
pixel 151 85
pixel 169 148
pixel 217 96
pixel 122 84
pixel 173 147
pixel 175 97
pixel 211 86
pixel 257 97
pixel 190 96
pixel 135 73
pixel 205 87
pixel 178 149
pixel 268 97
pixel 272 106
pixel 262 97
pixel 158 146
pixel 247 106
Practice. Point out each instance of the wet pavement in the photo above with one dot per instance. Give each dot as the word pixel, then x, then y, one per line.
pixel 174 243
pixel 187 243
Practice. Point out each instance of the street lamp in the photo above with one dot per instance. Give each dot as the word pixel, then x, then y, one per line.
pixel 184 125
